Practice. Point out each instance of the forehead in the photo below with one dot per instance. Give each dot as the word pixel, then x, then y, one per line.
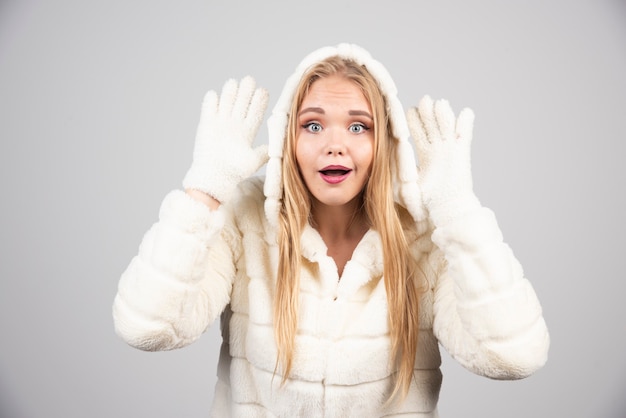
pixel 335 90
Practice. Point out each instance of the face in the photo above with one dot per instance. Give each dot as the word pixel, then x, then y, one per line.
pixel 335 141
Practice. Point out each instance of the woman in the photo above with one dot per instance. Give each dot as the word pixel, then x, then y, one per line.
pixel 338 276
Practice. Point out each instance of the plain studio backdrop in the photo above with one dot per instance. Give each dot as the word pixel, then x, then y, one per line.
pixel 99 102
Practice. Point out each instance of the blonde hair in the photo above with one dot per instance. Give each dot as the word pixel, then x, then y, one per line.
pixel 400 271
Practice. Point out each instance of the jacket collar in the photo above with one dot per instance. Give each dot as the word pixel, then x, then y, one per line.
pixel 366 262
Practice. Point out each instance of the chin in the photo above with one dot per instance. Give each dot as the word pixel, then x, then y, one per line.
pixel 338 199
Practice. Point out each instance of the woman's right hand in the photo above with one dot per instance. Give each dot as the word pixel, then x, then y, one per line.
pixel 223 155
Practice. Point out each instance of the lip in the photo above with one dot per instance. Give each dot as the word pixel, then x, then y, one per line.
pixel 335 174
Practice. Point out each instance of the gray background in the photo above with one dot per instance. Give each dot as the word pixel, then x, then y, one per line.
pixel 99 103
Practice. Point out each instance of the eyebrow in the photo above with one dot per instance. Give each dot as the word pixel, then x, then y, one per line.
pixel 360 113
pixel 321 111
pixel 312 109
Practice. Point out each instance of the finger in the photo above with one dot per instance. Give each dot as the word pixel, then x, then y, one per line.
pixel 422 144
pixel 227 98
pixel 465 124
pixel 242 99
pixel 427 117
pixel 209 103
pixel 445 119
pixel 416 127
pixel 256 111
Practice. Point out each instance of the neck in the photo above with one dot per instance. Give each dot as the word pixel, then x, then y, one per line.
pixel 339 223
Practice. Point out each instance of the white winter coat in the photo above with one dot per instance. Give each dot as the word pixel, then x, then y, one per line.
pixel 195 265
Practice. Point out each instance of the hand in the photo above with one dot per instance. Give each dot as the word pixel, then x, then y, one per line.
pixel 443 150
pixel 223 155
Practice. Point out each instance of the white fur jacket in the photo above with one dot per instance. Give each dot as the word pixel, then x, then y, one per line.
pixel 195 264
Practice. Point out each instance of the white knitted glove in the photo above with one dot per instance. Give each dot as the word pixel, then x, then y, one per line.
pixel 223 155
pixel 443 149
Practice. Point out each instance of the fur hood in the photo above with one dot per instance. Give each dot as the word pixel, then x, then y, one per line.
pixel 406 191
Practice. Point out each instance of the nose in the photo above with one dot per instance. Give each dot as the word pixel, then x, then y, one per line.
pixel 335 144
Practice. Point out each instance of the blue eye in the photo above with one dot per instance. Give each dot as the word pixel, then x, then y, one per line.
pixel 313 127
pixel 358 128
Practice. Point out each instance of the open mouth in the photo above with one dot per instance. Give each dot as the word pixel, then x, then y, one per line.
pixel 335 171
pixel 335 174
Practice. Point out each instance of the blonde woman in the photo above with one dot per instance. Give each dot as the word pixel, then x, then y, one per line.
pixel 337 275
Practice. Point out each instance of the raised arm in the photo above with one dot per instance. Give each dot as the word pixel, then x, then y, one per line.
pixel 182 277
pixel 486 313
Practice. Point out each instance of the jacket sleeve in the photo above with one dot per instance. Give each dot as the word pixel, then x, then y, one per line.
pixel 486 314
pixel 180 280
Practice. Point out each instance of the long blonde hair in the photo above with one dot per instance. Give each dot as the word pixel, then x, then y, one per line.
pixel 400 271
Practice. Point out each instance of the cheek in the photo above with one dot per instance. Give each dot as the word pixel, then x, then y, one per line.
pixel 366 156
pixel 304 154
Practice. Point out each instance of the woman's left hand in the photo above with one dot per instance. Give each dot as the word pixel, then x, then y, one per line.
pixel 443 149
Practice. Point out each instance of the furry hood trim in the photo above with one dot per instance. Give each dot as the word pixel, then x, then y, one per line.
pixel 406 191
